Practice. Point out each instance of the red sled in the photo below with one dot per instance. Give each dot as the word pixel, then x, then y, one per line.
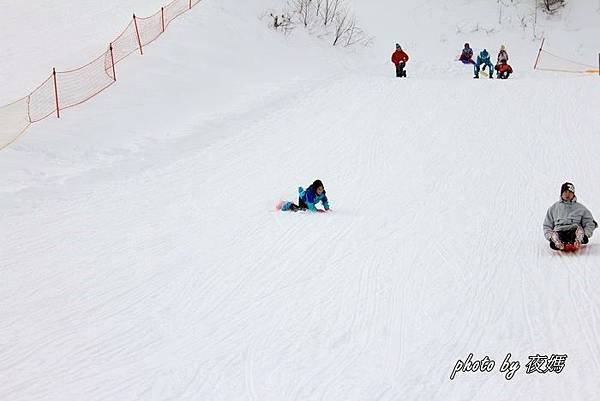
pixel 570 247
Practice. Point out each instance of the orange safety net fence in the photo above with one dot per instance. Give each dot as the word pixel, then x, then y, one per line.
pixel 175 8
pixel 547 61
pixel 64 89
pixel 14 120
pixel 126 43
pixel 76 86
pixel 150 28
pixel 42 101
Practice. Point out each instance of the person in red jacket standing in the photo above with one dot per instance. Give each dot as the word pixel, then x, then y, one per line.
pixel 399 58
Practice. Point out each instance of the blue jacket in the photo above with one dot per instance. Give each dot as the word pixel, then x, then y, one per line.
pixel 484 58
pixel 310 197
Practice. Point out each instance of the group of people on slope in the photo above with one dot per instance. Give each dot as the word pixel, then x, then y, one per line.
pixel 502 68
pixel 567 225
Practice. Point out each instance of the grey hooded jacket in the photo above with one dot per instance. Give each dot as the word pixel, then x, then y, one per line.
pixel 566 215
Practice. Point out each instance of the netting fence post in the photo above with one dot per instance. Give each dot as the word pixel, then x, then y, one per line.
pixel 137 31
pixel 162 18
pixel 112 61
pixel 539 52
pixel 56 93
pixel 598 64
pixel 29 108
pixel 190 5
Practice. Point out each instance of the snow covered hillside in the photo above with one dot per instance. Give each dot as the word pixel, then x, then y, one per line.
pixel 142 258
pixel 433 32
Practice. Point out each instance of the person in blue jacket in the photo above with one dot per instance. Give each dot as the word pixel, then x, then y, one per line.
pixel 484 58
pixel 308 199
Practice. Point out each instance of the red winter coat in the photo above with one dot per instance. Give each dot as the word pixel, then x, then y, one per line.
pixel 399 56
pixel 504 68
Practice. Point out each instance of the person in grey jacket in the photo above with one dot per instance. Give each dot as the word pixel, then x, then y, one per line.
pixel 567 221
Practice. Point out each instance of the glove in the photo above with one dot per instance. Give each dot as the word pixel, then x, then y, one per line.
pixel 556 239
pixel 585 239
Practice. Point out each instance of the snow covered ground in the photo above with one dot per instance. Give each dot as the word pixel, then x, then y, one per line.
pixel 142 259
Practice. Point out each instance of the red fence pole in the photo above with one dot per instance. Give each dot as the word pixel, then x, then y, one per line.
pixel 539 52
pixel 162 18
pixel 112 60
pixel 138 35
pixel 56 93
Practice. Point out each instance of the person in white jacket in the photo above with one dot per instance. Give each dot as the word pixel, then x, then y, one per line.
pixel 502 56
pixel 567 222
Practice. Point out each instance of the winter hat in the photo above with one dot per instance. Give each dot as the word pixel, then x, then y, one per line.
pixel 484 53
pixel 502 47
pixel 398 46
pixel 567 186
pixel 466 45
pixel 317 184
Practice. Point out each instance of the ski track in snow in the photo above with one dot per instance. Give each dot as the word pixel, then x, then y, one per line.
pixel 178 281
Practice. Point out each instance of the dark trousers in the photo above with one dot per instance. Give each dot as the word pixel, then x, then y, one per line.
pixel 300 206
pixel 400 70
pixel 568 237
pixel 503 75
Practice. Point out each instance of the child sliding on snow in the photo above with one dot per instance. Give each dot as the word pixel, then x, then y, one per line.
pixel 568 224
pixel 307 199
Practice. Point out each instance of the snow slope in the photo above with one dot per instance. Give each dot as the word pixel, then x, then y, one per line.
pixel 433 32
pixel 39 35
pixel 142 258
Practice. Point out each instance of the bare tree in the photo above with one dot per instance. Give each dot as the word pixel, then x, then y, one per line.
pixel 355 35
pixel 501 5
pixel 344 22
pixel 330 10
pixel 535 12
pixel 334 17
pixel 286 23
pixel 303 8
pixel 550 6
pixel 326 11
pixel 352 33
pixel 276 21
pixel 318 4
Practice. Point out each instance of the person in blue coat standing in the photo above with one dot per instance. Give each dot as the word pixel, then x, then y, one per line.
pixel 308 199
pixel 484 59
